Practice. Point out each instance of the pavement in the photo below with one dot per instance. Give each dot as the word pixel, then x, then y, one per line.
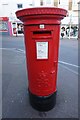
pixel 15 99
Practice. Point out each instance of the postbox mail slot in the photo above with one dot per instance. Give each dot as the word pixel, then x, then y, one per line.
pixel 42 34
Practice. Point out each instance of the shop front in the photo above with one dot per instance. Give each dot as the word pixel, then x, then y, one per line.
pixel 69 28
pixel 17 28
pixel 5 26
pixel 69 31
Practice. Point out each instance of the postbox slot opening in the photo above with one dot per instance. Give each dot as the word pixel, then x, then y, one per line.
pixel 42 33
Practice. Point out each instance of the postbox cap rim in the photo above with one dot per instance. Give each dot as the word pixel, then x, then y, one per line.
pixel 41 11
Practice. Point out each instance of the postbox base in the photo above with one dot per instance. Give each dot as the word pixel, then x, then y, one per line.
pixel 42 103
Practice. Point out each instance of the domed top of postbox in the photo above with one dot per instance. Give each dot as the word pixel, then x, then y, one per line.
pixel 41 12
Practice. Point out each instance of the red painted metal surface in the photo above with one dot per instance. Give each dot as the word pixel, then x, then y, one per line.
pixel 42 73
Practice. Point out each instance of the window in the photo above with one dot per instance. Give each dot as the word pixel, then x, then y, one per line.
pixel 56 3
pixel 19 5
pixel 70 5
pixel 31 2
pixel 3 26
pixel 41 2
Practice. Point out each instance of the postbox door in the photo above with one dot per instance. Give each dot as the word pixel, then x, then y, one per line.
pixel 42 58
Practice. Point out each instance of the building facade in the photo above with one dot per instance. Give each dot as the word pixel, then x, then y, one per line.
pixel 69 25
pixel 79 20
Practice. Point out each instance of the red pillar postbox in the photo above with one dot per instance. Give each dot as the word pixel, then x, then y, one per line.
pixel 41 32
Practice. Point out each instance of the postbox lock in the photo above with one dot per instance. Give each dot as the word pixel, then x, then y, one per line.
pixel 41 26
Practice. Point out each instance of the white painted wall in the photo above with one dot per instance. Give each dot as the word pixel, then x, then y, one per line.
pixel 48 3
pixel 64 4
pixel 9 7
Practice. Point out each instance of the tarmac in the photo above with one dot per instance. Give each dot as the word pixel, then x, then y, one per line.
pixel 15 99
